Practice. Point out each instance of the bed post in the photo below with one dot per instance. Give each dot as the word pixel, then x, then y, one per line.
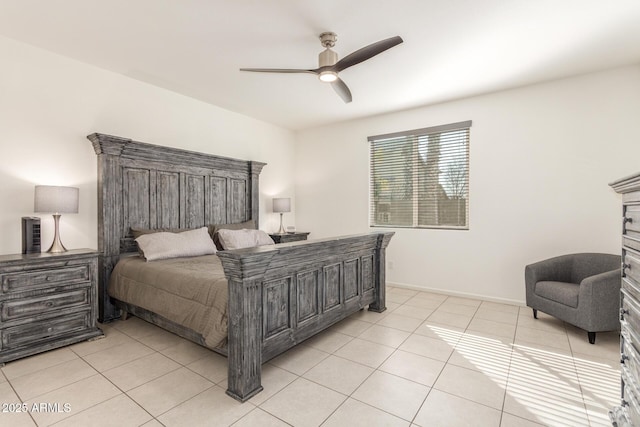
pixel 254 175
pixel 245 276
pixel 379 305
pixel 108 149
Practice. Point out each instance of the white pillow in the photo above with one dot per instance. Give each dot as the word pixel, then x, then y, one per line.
pixel 165 245
pixel 238 239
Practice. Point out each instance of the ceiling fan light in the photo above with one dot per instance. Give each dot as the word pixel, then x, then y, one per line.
pixel 328 76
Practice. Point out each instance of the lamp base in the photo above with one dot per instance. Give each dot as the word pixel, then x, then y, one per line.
pixel 282 230
pixel 57 246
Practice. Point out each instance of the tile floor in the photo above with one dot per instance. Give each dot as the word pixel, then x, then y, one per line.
pixel 429 360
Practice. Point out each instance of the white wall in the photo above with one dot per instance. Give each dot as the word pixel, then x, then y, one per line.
pixel 540 161
pixel 49 104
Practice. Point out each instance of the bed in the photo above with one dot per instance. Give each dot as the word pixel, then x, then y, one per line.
pixel 278 295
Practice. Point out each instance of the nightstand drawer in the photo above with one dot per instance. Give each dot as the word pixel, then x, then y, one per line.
pixel 25 335
pixel 289 237
pixel 43 278
pixel 21 308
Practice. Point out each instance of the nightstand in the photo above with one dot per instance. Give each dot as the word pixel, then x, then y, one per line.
pixel 289 237
pixel 47 301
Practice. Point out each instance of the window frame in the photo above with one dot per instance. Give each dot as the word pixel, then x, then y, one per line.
pixel 414 137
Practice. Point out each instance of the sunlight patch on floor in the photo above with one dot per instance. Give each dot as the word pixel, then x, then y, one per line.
pixel 449 336
pixel 545 384
pixel 542 384
pixel 492 359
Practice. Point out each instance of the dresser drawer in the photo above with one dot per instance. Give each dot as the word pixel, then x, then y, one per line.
pixel 630 398
pixel 49 304
pixel 631 265
pixel 629 345
pixel 27 334
pixel 630 311
pixel 631 287
pixel 43 278
pixel 631 226
pixel 631 219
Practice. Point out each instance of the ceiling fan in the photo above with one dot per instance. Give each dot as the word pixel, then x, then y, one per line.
pixel 329 66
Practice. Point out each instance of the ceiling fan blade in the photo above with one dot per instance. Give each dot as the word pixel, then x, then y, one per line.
pixel 366 52
pixel 341 89
pixel 278 70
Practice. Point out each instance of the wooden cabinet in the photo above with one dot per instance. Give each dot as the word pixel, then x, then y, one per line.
pixel 289 237
pixel 47 301
pixel 628 413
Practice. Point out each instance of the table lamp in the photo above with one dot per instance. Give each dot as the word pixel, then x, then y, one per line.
pixel 56 200
pixel 281 205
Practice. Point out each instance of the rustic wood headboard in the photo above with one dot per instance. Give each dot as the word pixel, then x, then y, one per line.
pixel 150 186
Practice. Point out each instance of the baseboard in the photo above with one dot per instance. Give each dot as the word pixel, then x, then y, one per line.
pixel 457 294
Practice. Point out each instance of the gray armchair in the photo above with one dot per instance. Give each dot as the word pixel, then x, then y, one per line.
pixel 581 289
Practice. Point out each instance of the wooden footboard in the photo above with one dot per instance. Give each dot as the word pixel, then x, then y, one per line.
pixel 281 295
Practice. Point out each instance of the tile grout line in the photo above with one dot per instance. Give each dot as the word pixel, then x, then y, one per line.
pixel 396 349
pixel 506 384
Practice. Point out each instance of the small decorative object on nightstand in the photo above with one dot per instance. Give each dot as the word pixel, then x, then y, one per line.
pixel 47 301
pixel 289 237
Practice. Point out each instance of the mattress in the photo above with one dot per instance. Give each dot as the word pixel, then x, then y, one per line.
pixel 191 292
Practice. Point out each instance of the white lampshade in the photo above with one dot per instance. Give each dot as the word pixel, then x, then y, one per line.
pixel 282 205
pixel 54 199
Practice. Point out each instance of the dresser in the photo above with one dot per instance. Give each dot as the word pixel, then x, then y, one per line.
pixel 47 301
pixel 289 237
pixel 628 413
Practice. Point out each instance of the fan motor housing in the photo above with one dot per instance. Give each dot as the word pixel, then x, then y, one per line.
pixel 327 58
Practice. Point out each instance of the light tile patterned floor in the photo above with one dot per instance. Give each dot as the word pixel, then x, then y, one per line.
pixel 429 360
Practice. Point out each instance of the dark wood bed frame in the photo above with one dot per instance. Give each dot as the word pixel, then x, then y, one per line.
pixel 278 295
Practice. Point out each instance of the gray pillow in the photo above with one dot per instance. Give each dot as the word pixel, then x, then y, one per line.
pixel 163 245
pixel 239 239
pixel 214 228
pixel 137 232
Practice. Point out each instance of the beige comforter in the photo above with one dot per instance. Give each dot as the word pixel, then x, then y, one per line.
pixel 191 292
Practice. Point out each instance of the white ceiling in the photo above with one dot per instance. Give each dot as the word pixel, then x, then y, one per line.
pixel 451 49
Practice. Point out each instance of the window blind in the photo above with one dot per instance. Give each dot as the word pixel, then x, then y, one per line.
pixel 420 178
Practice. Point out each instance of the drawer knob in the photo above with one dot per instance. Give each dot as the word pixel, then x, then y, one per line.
pixel 626 220
pixel 623 358
pixel 623 312
pixel 49 303
pixel 625 267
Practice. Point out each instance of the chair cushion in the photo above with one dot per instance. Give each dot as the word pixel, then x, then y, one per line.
pixel 561 292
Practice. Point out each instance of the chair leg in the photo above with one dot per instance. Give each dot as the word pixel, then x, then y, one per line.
pixel 592 337
pixel 535 313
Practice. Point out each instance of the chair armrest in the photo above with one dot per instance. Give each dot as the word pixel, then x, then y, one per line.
pixel 599 300
pixel 556 269
pixel 602 280
pixel 604 285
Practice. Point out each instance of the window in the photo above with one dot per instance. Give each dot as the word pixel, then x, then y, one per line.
pixel 420 178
